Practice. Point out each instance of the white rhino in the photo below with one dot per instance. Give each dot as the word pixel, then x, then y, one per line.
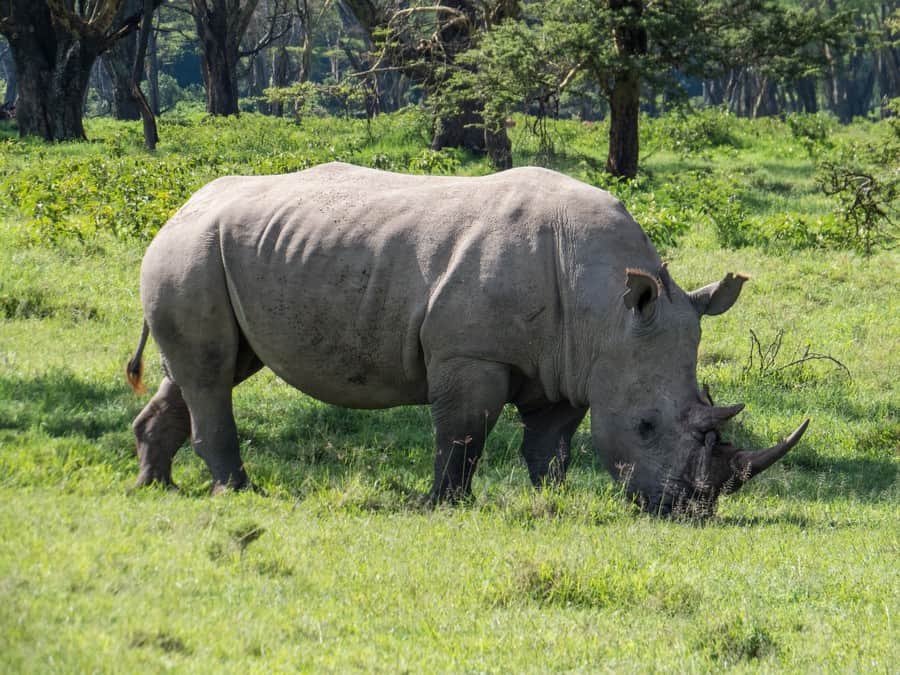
pixel 368 289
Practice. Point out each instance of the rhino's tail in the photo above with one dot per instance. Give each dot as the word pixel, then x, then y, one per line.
pixel 135 368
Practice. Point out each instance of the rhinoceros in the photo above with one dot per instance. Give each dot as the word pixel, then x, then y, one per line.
pixel 369 289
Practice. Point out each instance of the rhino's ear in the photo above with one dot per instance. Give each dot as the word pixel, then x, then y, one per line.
pixel 641 292
pixel 718 297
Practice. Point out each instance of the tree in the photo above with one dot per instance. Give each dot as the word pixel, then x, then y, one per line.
pixel 55 44
pixel 124 105
pixel 9 74
pixel 624 45
pixel 221 26
pixel 423 40
pixel 129 73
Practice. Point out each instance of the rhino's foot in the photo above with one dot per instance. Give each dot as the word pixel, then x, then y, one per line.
pixel 449 496
pixel 238 482
pixel 149 478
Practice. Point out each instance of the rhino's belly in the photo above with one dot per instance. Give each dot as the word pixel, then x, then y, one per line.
pixel 327 368
pixel 347 334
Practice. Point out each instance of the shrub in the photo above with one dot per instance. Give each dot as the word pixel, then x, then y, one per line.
pixel 812 130
pixel 864 179
pixel 443 161
pixel 717 200
pixel 663 224
pixel 689 134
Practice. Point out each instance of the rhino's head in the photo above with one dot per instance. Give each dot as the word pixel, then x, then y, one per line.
pixel 656 430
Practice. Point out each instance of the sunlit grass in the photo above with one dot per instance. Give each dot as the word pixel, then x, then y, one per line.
pixel 339 568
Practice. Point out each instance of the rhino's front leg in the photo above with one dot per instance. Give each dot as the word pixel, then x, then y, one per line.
pixel 547 440
pixel 161 428
pixel 466 399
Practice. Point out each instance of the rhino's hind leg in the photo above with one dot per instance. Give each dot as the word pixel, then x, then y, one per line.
pixel 547 439
pixel 467 397
pixel 160 429
pixel 164 424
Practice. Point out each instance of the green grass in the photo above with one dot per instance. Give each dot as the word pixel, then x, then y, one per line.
pixel 338 568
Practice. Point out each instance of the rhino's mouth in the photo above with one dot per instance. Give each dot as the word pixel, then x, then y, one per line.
pixel 679 500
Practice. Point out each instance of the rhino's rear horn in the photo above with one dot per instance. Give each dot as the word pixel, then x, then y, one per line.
pixel 748 463
pixel 707 417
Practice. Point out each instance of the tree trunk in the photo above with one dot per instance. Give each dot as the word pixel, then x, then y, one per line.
pixel 306 42
pixel 259 80
pixel 51 87
pixel 713 92
pixel 281 66
pixel 221 26
pixel 765 103
pixel 220 77
pixel 806 93
pixel 9 72
pixel 153 72
pixel 151 132
pixel 625 92
pixel 624 144
pixel 124 106
pixel 464 129
pixel 467 128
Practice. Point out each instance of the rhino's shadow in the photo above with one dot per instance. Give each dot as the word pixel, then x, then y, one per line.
pixel 60 404
pixel 810 472
pixel 298 436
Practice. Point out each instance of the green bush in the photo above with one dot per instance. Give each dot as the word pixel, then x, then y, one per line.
pixel 812 130
pixel 691 133
pixel 444 161
pixel 664 224
pixel 864 181
pixel 126 196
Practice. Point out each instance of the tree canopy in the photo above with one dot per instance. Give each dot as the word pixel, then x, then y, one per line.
pixel 472 63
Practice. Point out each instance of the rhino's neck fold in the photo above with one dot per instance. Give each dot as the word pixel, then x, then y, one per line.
pixel 571 379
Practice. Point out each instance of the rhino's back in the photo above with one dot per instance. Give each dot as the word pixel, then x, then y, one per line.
pixel 347 281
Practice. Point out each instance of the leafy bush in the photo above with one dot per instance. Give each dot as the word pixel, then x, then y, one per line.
pixel 299 97
pixel 663 224
pixel 812 130
pixel 444 161
pixel 717 201
pixel 126 196
pixel 864 179
pixel 689 134
pixel 795 231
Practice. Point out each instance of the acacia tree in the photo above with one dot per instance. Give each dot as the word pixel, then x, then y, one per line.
pixel 221 26
pixel 622 45
pixel 423 40
pixel 54 45
pixel 9 74
pixel 128 73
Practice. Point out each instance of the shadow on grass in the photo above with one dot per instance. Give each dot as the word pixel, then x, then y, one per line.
pixel 63 404
pixel 293 437
pixel 811 475
pixel 778 520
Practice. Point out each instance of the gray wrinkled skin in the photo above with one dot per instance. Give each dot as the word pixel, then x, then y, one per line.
pixel 368 289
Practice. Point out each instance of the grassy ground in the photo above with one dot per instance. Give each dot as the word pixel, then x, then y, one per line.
pixel 337 568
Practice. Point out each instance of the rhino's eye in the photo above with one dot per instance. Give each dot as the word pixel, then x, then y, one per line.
pixel 645 428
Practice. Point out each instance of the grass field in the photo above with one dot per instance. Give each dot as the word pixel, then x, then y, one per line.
pixel 337 568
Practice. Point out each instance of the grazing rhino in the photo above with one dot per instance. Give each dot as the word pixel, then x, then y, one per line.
pixel 369 289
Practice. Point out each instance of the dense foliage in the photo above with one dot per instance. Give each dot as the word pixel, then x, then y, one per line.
pixel 703 168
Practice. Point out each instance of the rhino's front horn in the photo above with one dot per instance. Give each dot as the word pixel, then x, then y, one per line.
pixel 748 463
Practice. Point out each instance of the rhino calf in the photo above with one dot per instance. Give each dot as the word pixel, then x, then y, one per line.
pixel 368 289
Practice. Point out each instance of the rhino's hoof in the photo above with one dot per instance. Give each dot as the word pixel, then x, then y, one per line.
pixel 149 478
pixel 246 486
